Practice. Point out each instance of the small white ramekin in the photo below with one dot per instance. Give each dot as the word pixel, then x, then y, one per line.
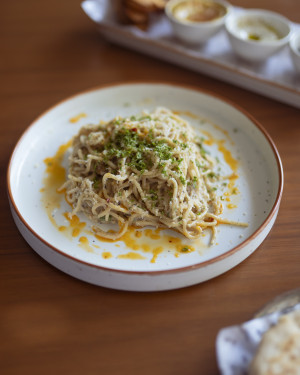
pixel 195 32
pixel 256 50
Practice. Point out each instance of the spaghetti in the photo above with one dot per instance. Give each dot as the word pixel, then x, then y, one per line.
pixel 144 170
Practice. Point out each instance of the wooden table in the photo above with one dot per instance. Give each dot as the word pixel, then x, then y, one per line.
pixel 52 323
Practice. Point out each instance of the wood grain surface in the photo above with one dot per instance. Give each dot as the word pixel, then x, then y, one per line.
pixel 51 323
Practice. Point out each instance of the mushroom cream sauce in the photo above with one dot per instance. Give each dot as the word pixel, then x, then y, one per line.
pixel 138 242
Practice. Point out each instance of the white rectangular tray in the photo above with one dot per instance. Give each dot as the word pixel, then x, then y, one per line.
pixel 275 78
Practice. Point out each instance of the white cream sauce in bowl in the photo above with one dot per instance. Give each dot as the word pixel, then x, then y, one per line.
pixel 257 34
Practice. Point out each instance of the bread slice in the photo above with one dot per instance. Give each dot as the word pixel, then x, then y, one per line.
pixel 138 12
pixel 279 350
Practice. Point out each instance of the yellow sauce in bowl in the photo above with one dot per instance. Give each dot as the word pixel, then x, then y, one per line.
pixel 198 11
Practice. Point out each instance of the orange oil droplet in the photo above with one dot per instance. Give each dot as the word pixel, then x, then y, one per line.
pixel 229 159
pixel 84 243
pixel 131 255
pixel 106 255
pixel 75 232
pixel 156 252
pixel 83 240
pixel 231 206
pixel 185 113
pixel 78 117
pixel 56 173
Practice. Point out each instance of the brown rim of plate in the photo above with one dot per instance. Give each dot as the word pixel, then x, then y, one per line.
pixel 179 269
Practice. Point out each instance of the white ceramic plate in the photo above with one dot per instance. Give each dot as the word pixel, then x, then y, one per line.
pixel 115 265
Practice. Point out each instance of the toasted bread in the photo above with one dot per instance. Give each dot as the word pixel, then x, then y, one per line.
pixel 138 12
pixel 279 350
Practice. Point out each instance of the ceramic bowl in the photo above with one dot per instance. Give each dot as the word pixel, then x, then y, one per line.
pixel 295 50
pixel 257 34
pixel 195 21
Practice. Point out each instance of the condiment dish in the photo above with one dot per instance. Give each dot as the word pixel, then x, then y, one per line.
pixel 256 34
pixel 295 50
pixel 195 21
